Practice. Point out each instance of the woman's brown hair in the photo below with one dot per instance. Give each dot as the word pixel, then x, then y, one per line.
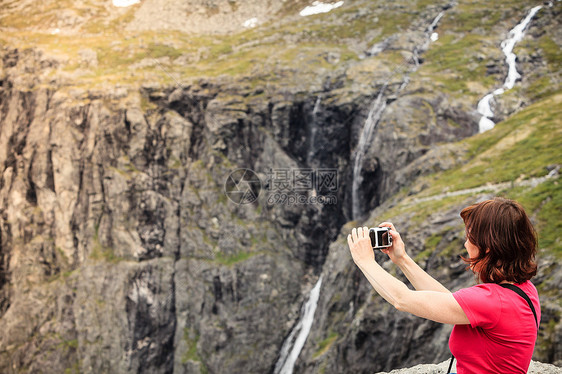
pixel 505 238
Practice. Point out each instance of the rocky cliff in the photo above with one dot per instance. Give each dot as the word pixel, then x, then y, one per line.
pixel 120 248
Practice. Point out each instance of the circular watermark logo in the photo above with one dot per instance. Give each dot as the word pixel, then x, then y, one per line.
pixel 242 186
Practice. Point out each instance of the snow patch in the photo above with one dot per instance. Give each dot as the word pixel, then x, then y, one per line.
pixel 252 22
pixel 318 7
pixel 125 3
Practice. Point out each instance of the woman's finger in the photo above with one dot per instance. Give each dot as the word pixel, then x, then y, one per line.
pixel 354 234
pixel 395 234
pixel 388 224
pixel 349 240
pixel 365 232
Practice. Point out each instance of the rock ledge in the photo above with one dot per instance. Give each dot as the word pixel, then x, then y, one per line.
pixel 534 368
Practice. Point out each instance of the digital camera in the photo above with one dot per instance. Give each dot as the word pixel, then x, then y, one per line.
pixel 380 237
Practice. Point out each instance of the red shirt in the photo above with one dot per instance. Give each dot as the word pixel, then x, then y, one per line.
pixel 502 332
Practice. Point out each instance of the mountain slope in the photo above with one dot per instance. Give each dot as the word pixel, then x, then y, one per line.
pixel 119 248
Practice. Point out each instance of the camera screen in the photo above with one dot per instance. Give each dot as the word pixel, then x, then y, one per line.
pixel 382 238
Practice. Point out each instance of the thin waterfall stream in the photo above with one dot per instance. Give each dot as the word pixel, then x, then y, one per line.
pixel 313 131
pixel 292 346
pixel 514 36
pixel 375 113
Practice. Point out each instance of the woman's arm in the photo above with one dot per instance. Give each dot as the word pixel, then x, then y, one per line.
pixel 436 306
pixel 421 280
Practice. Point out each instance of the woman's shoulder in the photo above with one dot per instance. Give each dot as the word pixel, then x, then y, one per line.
pixel 481 303
pixel 494 288
pixel 527 285
pixel 491 287
pixel 480 289
pixel 529 288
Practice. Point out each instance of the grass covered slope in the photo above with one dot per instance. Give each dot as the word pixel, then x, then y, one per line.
pixel 520 158
pixel 517 159
pixel 287 42
pixel 96 46
pixel 467 61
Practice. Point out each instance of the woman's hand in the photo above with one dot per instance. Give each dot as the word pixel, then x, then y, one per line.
pixel 396 251
pixel 360 245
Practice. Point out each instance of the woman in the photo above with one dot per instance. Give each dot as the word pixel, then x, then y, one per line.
pixel 495 329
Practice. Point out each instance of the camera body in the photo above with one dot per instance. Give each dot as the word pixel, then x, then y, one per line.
pixel 380 237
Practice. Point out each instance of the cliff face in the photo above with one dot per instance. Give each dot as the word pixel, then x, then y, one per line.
pixel 116 229
pixel 121 252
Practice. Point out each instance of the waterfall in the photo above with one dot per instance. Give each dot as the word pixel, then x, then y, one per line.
pixel 294 343
pixel 429 36
pixel 433 24
pixel 375 114
pixel 313 130
pixel 514 36
pixel 373 119
pixel 292 347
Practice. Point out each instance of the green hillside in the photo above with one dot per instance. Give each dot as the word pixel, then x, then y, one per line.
pixel 523 148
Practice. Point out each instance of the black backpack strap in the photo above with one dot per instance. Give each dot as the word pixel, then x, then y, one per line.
pixel 522 293
pixel 450 364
